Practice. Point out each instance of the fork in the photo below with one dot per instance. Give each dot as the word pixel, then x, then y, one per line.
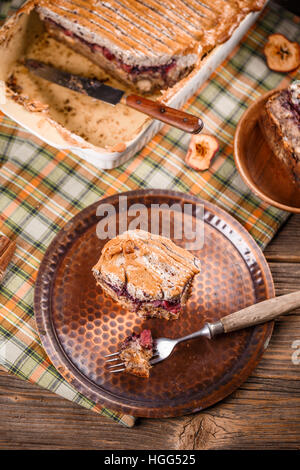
pixel 255 314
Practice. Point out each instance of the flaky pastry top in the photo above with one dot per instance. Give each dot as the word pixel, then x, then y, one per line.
pixel 150 266
pixel 152 28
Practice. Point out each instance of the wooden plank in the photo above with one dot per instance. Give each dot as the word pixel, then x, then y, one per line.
pixel 263 413
pixel 286 245
pixel 34 418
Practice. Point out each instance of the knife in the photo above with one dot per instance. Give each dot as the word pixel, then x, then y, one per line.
pixel 97 89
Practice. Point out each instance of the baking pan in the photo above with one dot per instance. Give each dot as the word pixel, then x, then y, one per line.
pixel 110 156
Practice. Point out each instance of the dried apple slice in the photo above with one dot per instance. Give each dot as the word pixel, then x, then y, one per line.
pixel 201 151
pixel 282 55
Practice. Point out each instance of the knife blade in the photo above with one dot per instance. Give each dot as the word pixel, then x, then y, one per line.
pixel 97 89
pixel 87 86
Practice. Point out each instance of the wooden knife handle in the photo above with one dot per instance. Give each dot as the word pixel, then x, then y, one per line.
pixel 184 121
pixel 261 312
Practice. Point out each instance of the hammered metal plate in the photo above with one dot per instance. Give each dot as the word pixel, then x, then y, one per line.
pixel 78 324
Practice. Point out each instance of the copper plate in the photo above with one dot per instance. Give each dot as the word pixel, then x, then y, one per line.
pixel 78 324
pixel 260 169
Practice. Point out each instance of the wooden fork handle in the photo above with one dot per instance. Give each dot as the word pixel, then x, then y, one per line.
pixel 184 121
pixel 261 312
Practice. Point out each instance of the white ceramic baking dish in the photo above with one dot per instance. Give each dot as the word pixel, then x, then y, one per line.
pixel 107 158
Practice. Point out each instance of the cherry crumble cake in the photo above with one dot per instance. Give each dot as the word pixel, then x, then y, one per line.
pixel 136 352
pixel 148 44
pixel 146 273
pixel 280 124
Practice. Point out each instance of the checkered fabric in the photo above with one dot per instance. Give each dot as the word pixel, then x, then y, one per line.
pixel 41 189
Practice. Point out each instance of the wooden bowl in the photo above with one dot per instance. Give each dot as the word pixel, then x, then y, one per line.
pixel 266 176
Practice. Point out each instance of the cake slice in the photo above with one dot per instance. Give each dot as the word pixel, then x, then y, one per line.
pixel 147 44
pixel 146 273
pixel 136 352
pixel 128 39
pixel 280 124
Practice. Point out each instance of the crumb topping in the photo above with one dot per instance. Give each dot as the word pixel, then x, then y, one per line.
pixel 150 266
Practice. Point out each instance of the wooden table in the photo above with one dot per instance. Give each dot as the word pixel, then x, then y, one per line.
pixel 263 414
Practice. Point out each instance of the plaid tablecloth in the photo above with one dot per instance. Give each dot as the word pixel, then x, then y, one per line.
pixel 41 189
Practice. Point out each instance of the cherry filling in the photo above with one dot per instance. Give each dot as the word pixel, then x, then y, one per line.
pixel 144 338
pixel 132 69
pixel 172 306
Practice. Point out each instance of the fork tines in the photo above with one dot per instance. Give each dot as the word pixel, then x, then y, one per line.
pixel 115 357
